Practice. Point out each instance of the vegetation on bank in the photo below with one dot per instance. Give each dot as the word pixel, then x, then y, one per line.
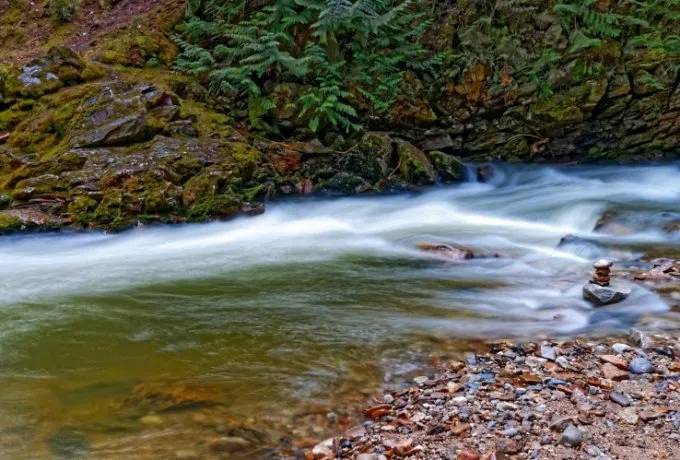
pixel 215 112
pixel 338 64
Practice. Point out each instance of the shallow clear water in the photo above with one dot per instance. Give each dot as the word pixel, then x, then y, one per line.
pixel 284 308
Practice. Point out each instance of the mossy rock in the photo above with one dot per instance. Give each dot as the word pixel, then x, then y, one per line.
pixel 136 48
pixel 414 165
pixel 448 166
pixel 81 209
pixel 571 106
pixel 346 184
pixel 220 206
pixel 9 223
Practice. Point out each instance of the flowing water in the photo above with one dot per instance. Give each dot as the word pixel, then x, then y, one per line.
pixel 277 311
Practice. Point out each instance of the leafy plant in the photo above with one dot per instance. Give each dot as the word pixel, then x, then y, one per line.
pixel 62 11
pixel 343 53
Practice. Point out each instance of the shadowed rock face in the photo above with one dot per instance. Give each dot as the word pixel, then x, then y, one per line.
pixel 112 153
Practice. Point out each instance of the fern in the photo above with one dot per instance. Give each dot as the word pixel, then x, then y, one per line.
pixel 338 49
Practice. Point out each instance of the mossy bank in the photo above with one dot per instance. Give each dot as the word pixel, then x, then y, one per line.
pixel 112 137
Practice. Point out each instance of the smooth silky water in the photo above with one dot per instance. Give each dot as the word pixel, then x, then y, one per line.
pixel 282 310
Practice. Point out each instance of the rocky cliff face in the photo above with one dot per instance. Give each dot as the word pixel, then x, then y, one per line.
pixel 104 142
pixel 85 146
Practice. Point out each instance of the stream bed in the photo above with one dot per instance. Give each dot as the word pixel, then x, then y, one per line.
pixel 148 343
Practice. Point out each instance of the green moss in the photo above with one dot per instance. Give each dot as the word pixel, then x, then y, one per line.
pixel 135 48
pixel 81 209
pixel 109 210
pixel 9 224
pixel 68 161
pixel 217 206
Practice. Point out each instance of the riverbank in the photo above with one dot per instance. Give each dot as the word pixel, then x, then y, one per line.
pixel 615 397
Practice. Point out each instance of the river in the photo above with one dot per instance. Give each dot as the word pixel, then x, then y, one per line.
pixel 296 306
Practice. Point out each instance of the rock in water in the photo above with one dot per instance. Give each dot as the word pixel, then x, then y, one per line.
pixel 572 436
pixel 449 251
pixel 604 295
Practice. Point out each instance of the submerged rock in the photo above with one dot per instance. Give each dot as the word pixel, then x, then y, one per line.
pixel 447 250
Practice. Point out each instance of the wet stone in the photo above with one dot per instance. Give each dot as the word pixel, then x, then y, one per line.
pixel 604 295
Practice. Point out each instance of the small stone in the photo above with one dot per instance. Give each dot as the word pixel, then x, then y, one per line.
pixel 593 451
pixel 572 436
pixel 600 350
pixel 151 420
pixel 615 360
pixel 404 447
pixel 366 457
pixel 629 415
pixel 649 415
pixel 460 429
pixel 639 339
pixel 619 398
pixel 420 380
pixel 620 348
pixel 510 431
pixel 507 446
pixel 388 399
pixel 640 366
pixel 611 372
pixel 602 263
pixel 471 359
pixel 562 362
pixel 548 352
pixel 467 455
pixel 233 444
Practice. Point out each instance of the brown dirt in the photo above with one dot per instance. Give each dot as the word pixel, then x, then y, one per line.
pixel 91 23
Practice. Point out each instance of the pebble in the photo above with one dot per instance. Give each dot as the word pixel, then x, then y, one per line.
pixel 366 457
pixel 629 415
pixel 639 339
pixel 420 380
pixel 572 436
pixel 467 455
pixel 611 372
pixel 620 348
pixel 151 420
pixel 562 362
pixel 619 398
pixel 640 366
pixel 471 359
pixel 235 444
pixel 548 352
pixel 510 431
pixel 600 350
pixel 388 399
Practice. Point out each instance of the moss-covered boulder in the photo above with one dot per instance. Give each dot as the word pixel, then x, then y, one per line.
pixel 135 48
pixel 414 165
